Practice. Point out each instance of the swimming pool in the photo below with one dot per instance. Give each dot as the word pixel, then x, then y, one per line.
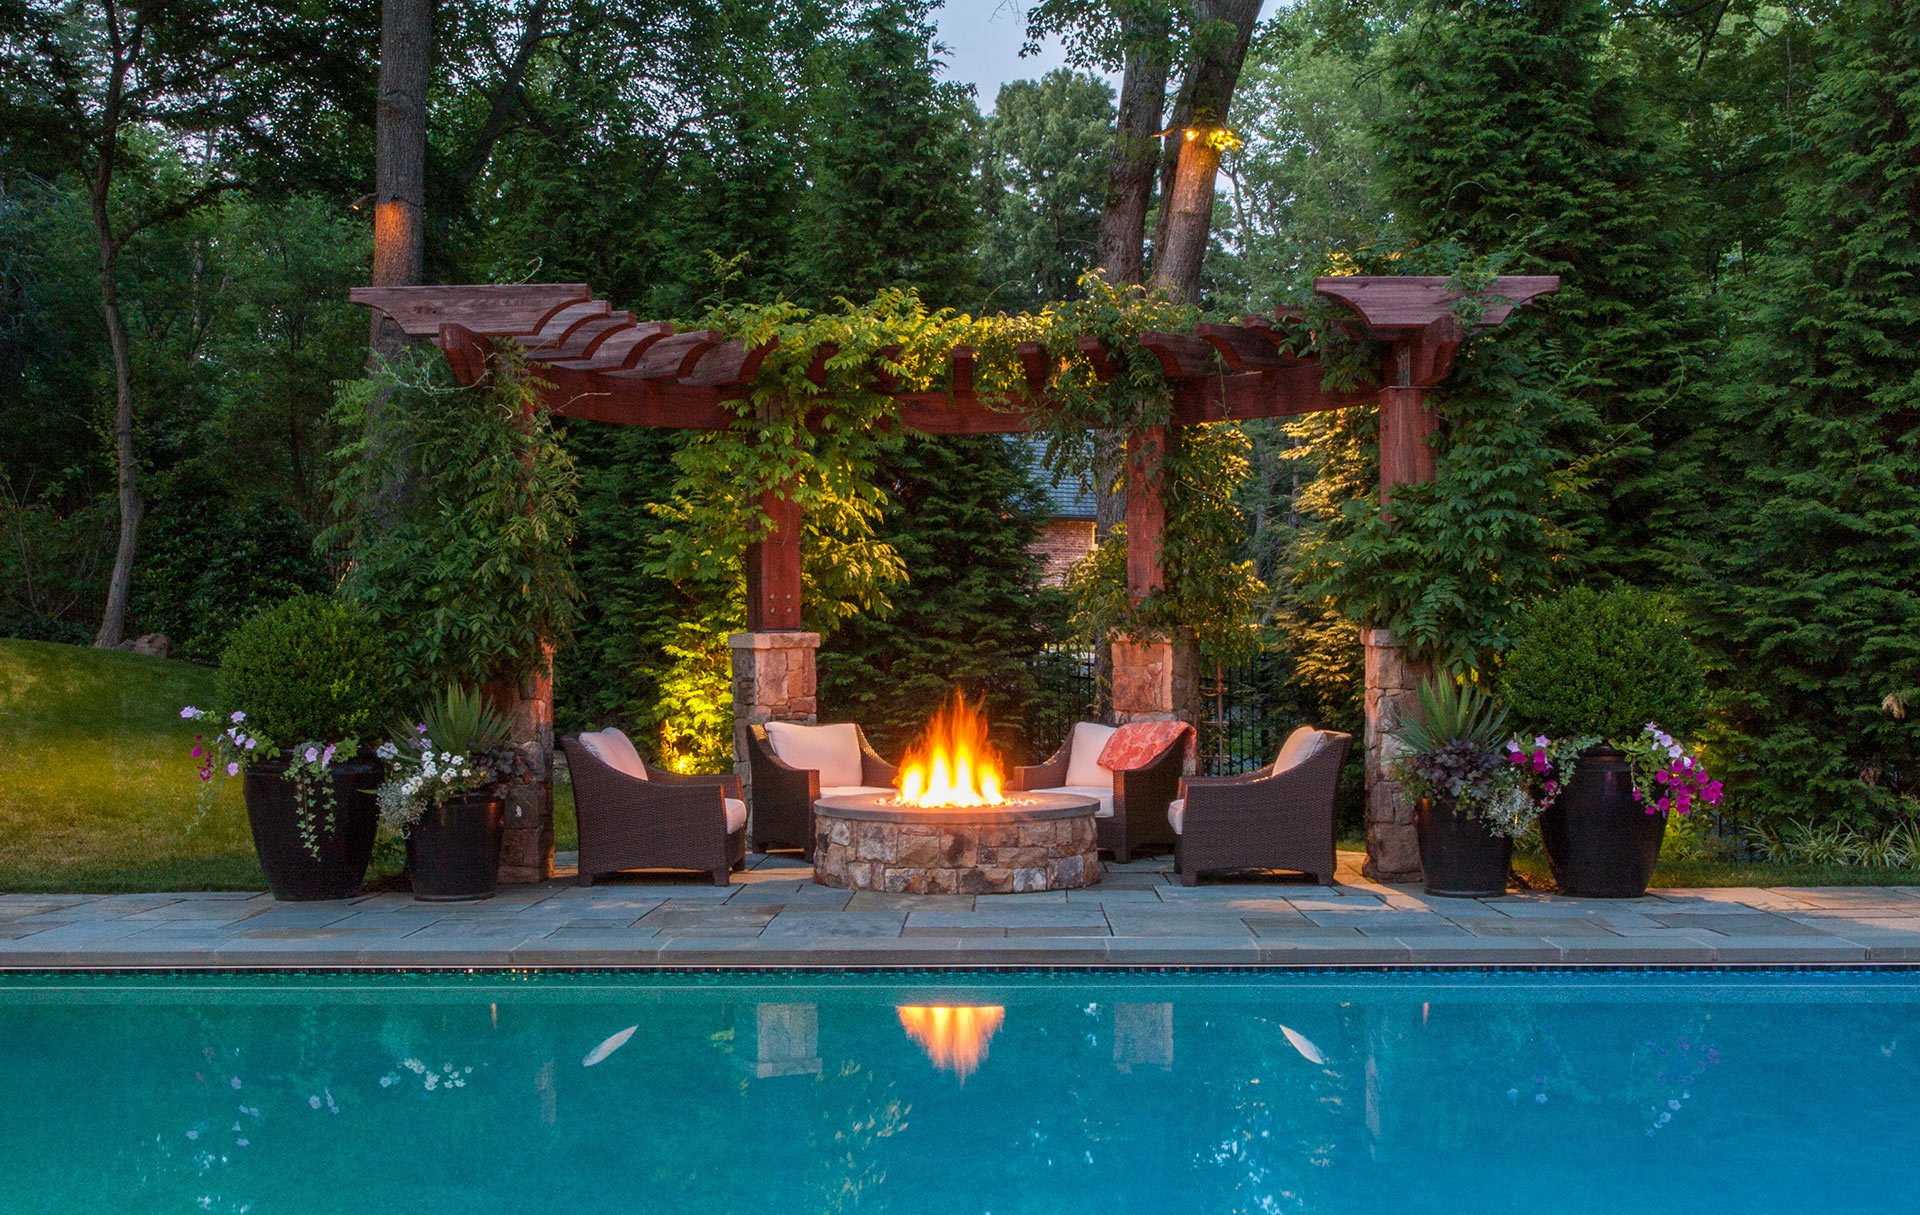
pixel 990 1093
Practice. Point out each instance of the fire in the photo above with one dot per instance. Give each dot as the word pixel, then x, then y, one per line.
pixel 955 1038
pixel 953 764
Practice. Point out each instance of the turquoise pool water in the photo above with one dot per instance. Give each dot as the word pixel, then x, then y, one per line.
pixel 924 1093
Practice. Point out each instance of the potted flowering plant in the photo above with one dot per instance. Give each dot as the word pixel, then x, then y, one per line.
pixel 1613 677
pixel 445 793
pixel 1471 802
pixel 300 683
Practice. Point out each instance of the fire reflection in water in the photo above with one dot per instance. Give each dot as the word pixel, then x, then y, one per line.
pixel 954 1037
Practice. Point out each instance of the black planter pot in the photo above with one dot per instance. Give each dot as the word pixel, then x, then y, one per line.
pixel 1461 857
pixel 293 873
pixel 454 850
pixel 1601 843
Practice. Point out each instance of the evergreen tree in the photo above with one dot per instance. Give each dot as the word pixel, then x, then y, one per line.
pixel 1562 166
pixel 962 515
pixel 1818 594
pixel 1041 183
pixel 1509 143
pixel 888 155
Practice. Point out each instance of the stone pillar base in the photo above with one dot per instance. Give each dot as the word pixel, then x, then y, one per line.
pixel 1155 680
pixel 526 846
pixel 773 680
pixel 1393 687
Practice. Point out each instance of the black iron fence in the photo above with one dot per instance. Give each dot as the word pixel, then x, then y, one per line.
pixel 1245 707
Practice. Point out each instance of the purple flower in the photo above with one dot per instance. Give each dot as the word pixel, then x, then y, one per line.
pixel 313 754
pixel 190 713
pixel 197 752
pixel 326 757
pixel 237 717
pixel 233 769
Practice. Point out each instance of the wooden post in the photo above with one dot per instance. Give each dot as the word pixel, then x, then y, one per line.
pixel 1406 430
pixel 773 569
pixel 1146 511
pixel 1393 676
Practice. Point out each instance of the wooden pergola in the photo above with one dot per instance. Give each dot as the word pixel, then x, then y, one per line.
pixel 606 365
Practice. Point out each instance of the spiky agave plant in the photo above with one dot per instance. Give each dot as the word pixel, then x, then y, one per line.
pixel 1452 712
pixel 461 721
pixel 1453 744
pixel 457 746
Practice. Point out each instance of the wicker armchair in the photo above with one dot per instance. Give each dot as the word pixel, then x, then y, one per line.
pixel 783 795
pixel 1280 817
pixel 1140 797
pixel 663 821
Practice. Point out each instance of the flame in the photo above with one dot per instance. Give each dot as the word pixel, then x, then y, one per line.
pixel 953 764
pixel 955 1038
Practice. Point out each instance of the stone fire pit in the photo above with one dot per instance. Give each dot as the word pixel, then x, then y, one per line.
pixel 1037 841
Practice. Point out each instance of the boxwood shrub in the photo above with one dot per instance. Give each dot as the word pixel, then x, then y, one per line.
pixel 310 668
pixel 1603 663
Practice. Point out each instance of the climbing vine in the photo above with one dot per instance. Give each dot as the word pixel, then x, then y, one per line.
pixel 817 425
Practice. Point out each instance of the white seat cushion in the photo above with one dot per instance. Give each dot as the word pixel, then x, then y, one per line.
pixel 736 813
pixel 1083 757
pixel 852 790
pixel 614 749
pixel 1176 813
pixel 1100 793
pixel 833 751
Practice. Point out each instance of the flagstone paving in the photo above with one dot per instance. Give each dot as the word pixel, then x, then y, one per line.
pixel 773 915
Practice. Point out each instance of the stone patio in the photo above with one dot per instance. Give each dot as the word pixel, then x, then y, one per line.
pixel 1138 916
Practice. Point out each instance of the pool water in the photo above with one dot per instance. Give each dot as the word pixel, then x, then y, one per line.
pixel 928 1093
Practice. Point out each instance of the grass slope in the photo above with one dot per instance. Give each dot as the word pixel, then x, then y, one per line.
pixel 97 790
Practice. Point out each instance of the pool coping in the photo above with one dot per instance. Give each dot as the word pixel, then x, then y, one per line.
pixel 774 918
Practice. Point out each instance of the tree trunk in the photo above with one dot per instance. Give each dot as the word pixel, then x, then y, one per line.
pixel 1223 29
pixel 1143 100
pixel 400 157
pixel 113 620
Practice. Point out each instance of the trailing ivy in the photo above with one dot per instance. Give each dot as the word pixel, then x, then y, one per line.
pixel 819 430
pixel 469 568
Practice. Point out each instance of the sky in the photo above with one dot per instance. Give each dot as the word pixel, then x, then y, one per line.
pixel 983 40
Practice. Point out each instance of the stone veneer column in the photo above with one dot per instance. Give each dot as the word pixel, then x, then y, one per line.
pixel 526 846
pixel 1393 682
pixel 773 680
pixel 1154 680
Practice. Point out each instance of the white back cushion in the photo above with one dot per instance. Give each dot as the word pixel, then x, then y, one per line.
pixel 614 749
pixel 832 751
pixel 1083 757
pixel 1300 745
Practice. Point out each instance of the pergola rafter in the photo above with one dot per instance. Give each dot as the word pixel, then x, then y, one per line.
pixel 605 365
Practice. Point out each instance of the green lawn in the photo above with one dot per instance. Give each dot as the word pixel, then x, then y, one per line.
pixel 96 785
